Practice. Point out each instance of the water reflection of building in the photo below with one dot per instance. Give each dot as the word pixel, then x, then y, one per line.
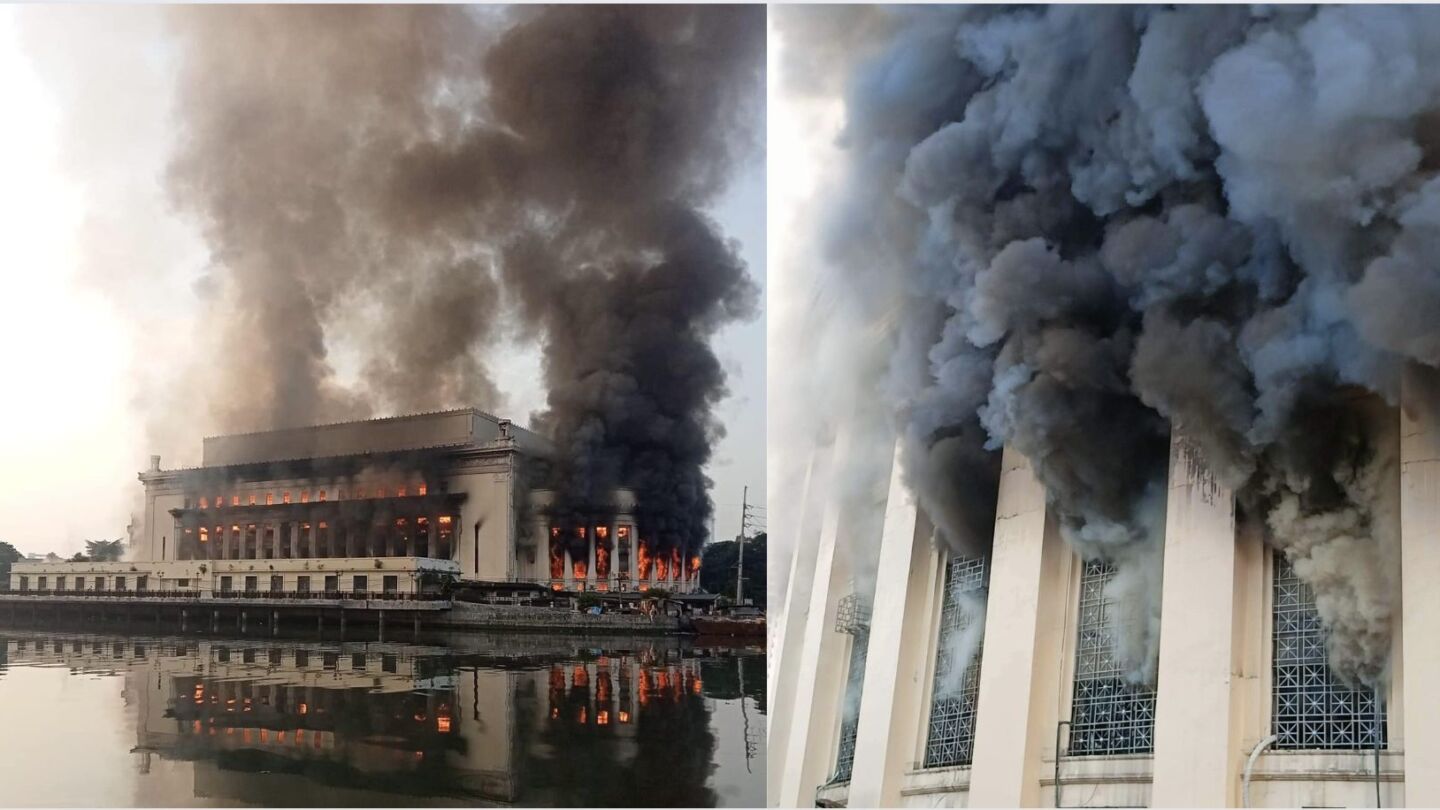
pixel 286 724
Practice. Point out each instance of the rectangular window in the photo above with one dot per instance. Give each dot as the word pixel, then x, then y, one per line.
pixel 304 496
pixel 269 499
pixel 357 662
pixel 226 584
pixel 1108 714
pixel 99 583
pixel 850 720
pixel 302 584
pixel 388 663
pixel 277 584
pixel 252 584
pixel 302 658
pixel 142 583
pixel 182 583
pixel 44 583
pixel 60 583
pixel 1312 708
pixel 119 583
pixel 852 617
pixel 951 739
pixel 332 583
pixel 24 583
pixel 361 584
pixel 390 584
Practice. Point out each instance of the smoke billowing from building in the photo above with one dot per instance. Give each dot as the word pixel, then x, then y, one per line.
pixel 430 179
pixel 1102 224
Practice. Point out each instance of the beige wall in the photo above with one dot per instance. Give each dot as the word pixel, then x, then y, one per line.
pixel 1215 682
pixel 205 575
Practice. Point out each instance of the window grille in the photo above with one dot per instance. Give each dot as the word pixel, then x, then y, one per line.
pixel 850 718
pixel 951 740
pixel 852 615
pixel 1108 715
pixel 1311 708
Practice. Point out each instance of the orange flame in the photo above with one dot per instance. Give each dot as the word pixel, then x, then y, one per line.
pixel 662 569
pixel 675 563
pixel 557 559
pixel 642 559
pixel 580 678
pixel 602 561
pixel 580 567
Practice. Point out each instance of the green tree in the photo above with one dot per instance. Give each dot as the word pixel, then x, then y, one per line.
pixel 717 568
pixel 8 555
pixel 105 550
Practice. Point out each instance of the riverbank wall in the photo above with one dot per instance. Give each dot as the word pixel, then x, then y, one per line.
pixel 517 618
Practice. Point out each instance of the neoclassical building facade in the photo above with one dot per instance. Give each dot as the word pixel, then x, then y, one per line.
pixel 337 506
pixel 874 708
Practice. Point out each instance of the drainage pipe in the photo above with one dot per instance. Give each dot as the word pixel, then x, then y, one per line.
pixel 1250 765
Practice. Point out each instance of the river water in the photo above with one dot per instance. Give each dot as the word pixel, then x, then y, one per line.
pixel 125 719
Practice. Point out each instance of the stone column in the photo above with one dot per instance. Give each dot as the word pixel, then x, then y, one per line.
pixel 1197 745
pixel 634 540
pixel 432 536
pixel 228 530
pixel 590 577
pixel 1024 644
pixel 569 571
pixel 892 709
pixel 294 539
pixel 1419 596
pixel 613 575
pixel 311 534
pixel 819 661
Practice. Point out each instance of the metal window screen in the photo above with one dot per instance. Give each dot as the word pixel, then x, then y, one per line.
pixel 951 740
pixel 1108 715
pixel 1312 709
pixel 850 719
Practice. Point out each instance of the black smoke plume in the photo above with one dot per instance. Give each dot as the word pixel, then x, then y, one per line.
pixel 429 179
pixel 1109 223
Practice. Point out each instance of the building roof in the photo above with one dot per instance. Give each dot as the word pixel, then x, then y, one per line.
pixel 464 427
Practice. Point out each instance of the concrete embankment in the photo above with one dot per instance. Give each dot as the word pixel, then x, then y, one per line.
pixel 511 618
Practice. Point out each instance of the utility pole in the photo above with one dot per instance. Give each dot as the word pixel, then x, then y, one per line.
pixel 740 540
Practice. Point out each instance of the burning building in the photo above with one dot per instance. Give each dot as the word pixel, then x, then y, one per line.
pixel 387 504
pixel 1133 318
pixel 1001 678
